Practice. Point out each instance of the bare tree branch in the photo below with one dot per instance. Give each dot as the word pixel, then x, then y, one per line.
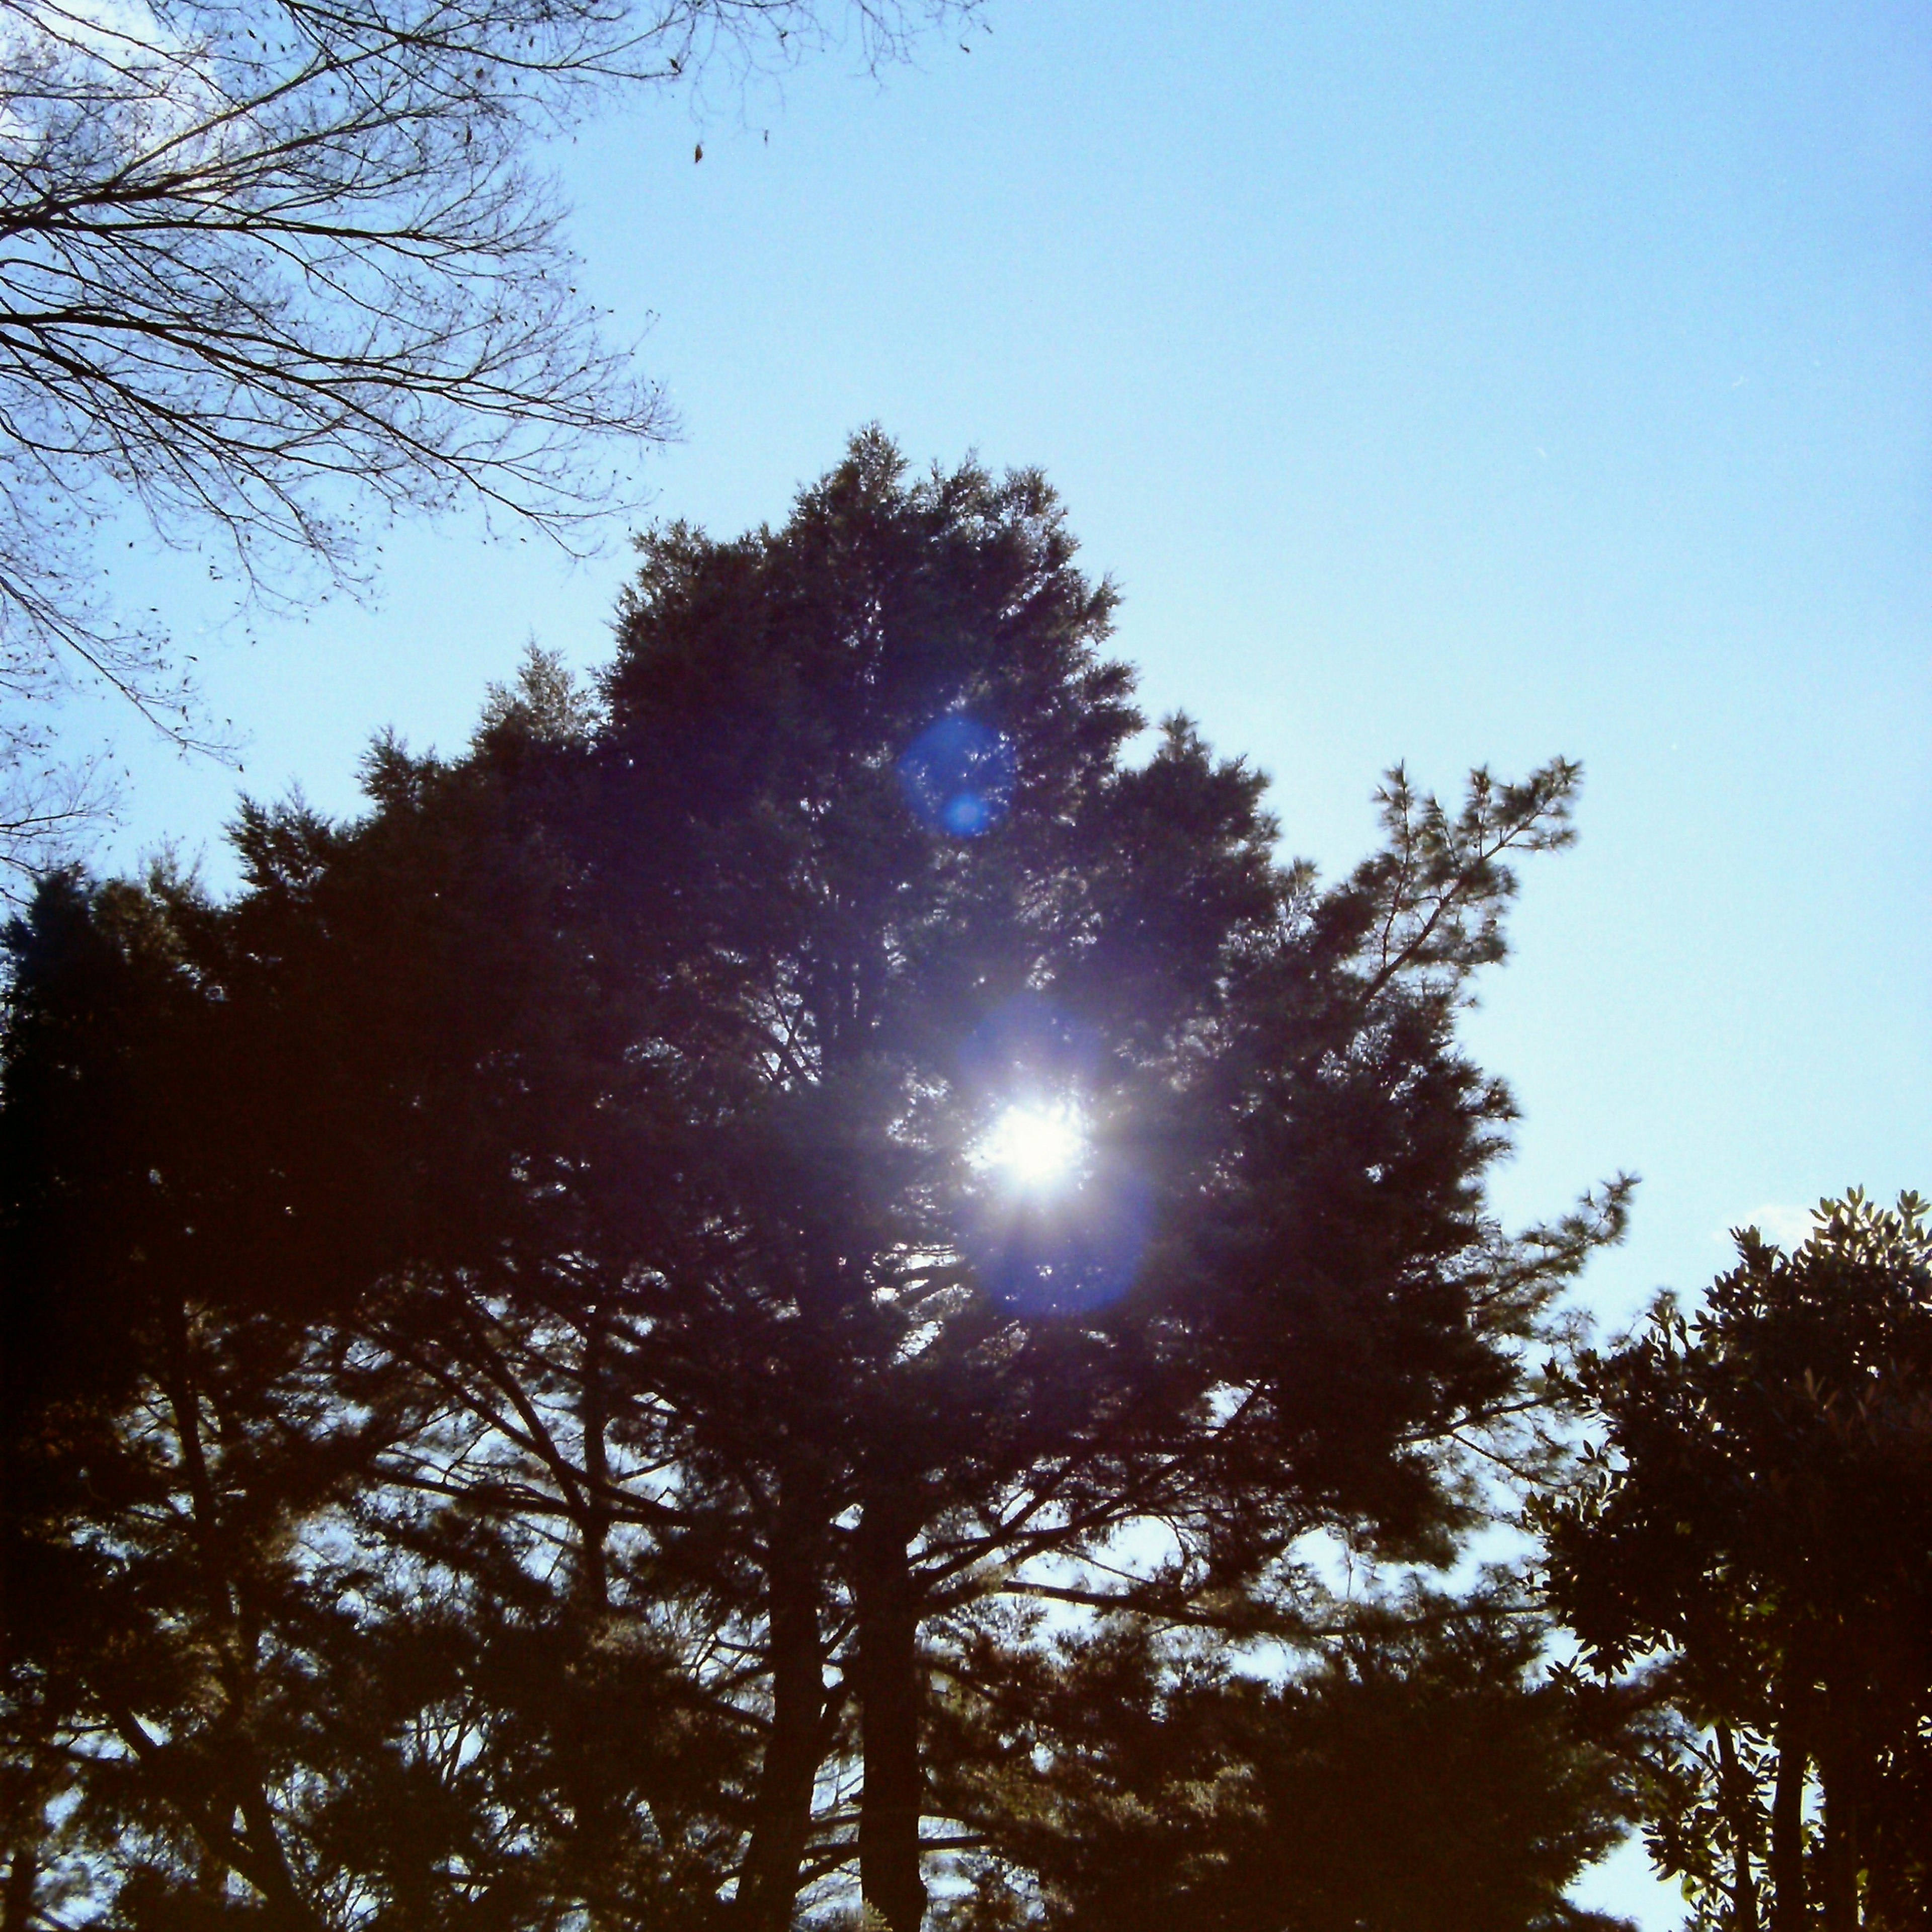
pixel 271 268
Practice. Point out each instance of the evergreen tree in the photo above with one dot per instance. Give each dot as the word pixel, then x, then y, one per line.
pixel 285 1604
pixel 1274 1300
pixel 1760 1513
pixel 1420 1774
pixel 611 1139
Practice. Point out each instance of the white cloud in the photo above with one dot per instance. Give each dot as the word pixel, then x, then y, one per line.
pixel 1789 1227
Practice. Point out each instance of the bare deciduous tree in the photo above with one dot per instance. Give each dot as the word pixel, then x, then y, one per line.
pixel 268 267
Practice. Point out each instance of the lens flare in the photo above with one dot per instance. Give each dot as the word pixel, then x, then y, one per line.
pixel 1057 1208
pixel 1037 1147
pixel 958 776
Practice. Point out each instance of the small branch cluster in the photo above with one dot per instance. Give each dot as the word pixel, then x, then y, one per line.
pixel 268 267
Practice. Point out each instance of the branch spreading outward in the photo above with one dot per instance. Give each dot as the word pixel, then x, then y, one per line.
pixel 269 268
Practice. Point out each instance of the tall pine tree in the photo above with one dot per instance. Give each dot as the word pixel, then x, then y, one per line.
pixel 630 1143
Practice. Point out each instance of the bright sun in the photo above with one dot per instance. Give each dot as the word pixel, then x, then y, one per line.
pixel 1035 1148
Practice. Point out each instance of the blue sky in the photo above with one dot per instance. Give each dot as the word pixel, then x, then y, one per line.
pixel 1453 383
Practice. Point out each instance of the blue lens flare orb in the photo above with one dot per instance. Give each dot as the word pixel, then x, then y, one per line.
pixel 958 776
pixel 1055 1231
pixel 1055 1214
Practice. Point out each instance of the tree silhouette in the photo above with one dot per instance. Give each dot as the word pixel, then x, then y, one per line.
pixel 1761 1513
pixel 613 1120
pixel 1419 1774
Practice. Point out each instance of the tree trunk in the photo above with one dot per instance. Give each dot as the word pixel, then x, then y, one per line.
pixel 781 1818
pixel 1840 1876
pixel 19 1905
pixel 889 1694
pixel 285 1908
pixel 240 1784
pixel 593 1586
pixel 1738 1814
pixel 594 1806
pixel 1787 1811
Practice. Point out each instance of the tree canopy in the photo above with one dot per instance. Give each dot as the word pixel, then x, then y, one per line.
pixel 541 1390
pixel 1760 1513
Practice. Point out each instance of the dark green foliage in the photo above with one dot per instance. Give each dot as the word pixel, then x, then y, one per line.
pixel 1418 1777
pixel 1761 1513
pixel 584 1439
pixel 313 1661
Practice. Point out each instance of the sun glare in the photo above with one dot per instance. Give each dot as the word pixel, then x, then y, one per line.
pixel 1035 1148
